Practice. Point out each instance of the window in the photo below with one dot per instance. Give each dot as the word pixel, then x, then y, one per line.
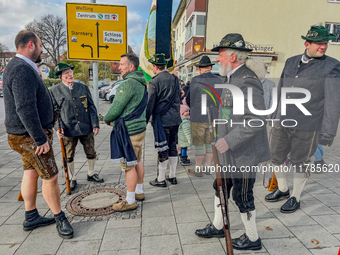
pixel 183 24
pixel 184 74
pixel 195 26
pixel 190 72
pixel 200 25
pixel 190 30
pixel 177 32
pixel 334 28
pixel 179 28
pixel 334 1
pixel 183 48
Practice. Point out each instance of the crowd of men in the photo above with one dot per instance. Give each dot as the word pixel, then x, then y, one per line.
pixel 30 119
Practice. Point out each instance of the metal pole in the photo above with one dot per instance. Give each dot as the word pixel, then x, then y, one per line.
pixel 95 79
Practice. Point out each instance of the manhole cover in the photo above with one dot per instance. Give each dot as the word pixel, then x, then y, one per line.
pixel 101 199
pixel 97 202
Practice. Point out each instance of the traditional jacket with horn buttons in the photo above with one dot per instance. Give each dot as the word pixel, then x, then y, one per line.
pixel 321 77
pixel 78 113
pixel 248 145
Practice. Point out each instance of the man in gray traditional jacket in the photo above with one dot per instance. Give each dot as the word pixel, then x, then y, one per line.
pixel 79 120
pixel 242 146
pixel 320 75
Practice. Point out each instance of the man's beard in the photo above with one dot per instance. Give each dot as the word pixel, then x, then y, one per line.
pixel 36 56
pixel 224 70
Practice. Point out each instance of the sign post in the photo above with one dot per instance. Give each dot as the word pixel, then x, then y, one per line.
pixel 96 32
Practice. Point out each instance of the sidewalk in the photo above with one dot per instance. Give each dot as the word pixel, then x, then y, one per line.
pixel 166 221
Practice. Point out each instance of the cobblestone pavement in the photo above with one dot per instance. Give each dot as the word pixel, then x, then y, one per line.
pixel 166 221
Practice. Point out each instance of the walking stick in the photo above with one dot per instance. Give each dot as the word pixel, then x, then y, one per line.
pixel 63 153
pixel 222 191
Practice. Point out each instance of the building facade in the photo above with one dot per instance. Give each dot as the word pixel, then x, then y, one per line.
pixel 5 57
pixel 272 29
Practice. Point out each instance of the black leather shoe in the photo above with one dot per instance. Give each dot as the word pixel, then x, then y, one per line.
pixel 73 185
pixel 95 178
pixel 34 221
pixel 290 206
pixel 209 231
pixel 64 228
pixel 276 195
pixel 158 184
pixel 244 243
pixel 173 181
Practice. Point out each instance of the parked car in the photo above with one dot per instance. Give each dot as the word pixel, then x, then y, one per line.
pixel 112 92
pixel 103 84
pixel 80 81
pixel 104 90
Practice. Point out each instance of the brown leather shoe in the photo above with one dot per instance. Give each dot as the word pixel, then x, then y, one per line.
pixel 194 173
pixel 124 206
pixel 140 197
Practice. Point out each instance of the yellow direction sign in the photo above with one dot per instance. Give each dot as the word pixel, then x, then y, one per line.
pixel 96 31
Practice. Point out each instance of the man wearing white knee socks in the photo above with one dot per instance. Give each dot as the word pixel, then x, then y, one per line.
pixel 320 75
pixel 127 116
pixel 79 120
pixel 239 146
pixel 164 106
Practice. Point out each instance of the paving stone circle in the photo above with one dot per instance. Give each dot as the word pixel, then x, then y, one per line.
pixel 95 202
pixel 86 218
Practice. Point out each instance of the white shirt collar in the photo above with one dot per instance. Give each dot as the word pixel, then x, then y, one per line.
pixel 28 61
pixel 70 87
pixel 305 58
pixel 233 71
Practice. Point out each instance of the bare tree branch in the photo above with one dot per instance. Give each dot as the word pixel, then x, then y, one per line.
pixel 3 49
pixel 51 30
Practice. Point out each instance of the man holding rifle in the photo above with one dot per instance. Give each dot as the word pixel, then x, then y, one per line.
pixel 29 122
pixel 79 120
pixel 239 145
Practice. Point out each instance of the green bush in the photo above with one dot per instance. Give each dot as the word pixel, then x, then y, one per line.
pixel 81 76
pixel 49 82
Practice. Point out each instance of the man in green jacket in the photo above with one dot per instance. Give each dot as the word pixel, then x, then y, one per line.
pixel 128 112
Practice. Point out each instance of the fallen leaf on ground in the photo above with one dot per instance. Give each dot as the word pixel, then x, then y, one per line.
pixel 314 241
pixel 269 228
pixel 318 247
pixel 12 245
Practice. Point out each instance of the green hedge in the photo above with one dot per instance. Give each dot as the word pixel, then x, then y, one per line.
pixel 49 82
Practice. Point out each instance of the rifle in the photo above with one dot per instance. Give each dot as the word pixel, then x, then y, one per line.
pixel 63 153
pixel 222 191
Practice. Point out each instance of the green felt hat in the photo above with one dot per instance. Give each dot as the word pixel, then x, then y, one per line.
pixel 318 33
pixel 232 41
pixel 158 59
pixel 204 62
pixel 63 66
